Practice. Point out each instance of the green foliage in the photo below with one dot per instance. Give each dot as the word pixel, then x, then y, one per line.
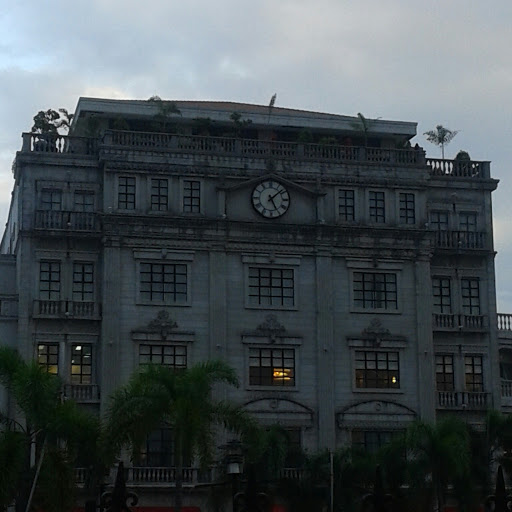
pixel 305 136
pixel 166 109
pixel 50 121
pixel 239 124
pixel 13 453
pixel 440 136
pixel 463 156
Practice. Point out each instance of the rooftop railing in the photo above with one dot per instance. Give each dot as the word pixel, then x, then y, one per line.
pixel 229 146
pixel 461 240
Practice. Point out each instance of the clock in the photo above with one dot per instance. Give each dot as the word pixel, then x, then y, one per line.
pixel 270 199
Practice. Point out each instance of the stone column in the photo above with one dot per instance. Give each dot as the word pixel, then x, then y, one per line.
pixel 217 304
pixel 425 343
pixel 326 419
pixel 110 344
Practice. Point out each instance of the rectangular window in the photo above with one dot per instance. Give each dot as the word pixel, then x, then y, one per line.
pixel 159 195
pixel 271 287
pixel 49 280
pixel 51 200
pixel 377 207
pixel 441 290
pixel 467 222
pixel 191 196
pixel 371 441
pixel 163 282
pixel 158 450
pixel 473 370
pixel 48 357
pixel 126 193
pixel 173 356
pixel 83 282
pixel 407 208
pixel 272 367
pixel 81 364
pixel 439 221
pixel 374 290
pixel 84 201
pixel 346 205
pixel 444 373
pixel 377 369
pixel 470 288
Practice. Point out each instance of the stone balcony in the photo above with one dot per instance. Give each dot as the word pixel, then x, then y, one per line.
pixel 457 240
pixel 66 220
pixel 463 400
pixel 66 309
pixel 82 393
pixel 451 322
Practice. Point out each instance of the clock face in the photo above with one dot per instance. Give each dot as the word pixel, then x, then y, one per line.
pixel 270 199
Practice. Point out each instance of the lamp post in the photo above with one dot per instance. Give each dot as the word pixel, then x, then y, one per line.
pixel 234 467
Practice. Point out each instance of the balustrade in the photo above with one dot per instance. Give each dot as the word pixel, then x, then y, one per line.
pixel 60 219
pixel 59 144
pixel 450 321
pixel 82 392
pixel 460 239
pixel 504 321
pixel 66 309
pixel 166 475
pixel 458 168
pixel 462 400
pixel 506 388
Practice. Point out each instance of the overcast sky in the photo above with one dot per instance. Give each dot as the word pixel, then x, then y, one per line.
pixel 434 62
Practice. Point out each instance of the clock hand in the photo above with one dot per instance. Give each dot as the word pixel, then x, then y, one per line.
pixel 271 199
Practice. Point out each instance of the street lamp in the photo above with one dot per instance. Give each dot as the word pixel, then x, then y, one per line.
pixel 234 466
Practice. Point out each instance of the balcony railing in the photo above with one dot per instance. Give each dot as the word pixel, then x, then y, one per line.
pixel 67 220
pixel 458 322
pixel 67 309
pixel 461 240
pixel 82 393
pixel 163 475
pixel 458 168
pixel 470 400
pixel 59 144
pixel 504 321
pixel 144 141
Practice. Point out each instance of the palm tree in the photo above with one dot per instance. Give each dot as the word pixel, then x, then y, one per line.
pixel 180 400
pixel 440 455
pixel 440 136
pixel 41 420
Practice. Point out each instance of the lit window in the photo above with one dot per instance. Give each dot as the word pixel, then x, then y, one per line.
pixel 81 364
pixel 48 357
pixel 377 369
pixel 375 290
pixel 272 287
pixel 271 367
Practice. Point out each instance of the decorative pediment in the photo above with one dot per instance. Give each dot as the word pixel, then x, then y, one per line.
pixel 162 327
pixel 376 335
pixel 271 330
pixel 372 412
pixel 280 411
pixel 376 330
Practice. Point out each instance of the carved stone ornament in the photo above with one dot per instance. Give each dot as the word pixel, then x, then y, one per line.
pixel 271 328
pixel 163 324
pixel 376 331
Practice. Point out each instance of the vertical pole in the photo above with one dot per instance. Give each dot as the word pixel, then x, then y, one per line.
pixel 331 464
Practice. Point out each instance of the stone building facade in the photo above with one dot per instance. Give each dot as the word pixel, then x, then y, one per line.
pixel 347 277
